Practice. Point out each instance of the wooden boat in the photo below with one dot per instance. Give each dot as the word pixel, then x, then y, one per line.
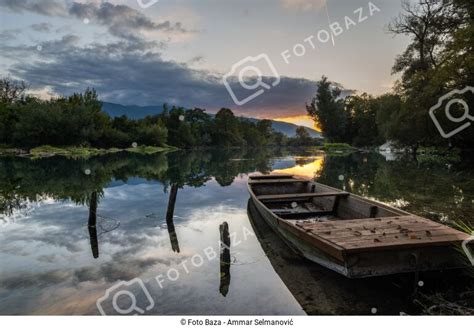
pixel 351 235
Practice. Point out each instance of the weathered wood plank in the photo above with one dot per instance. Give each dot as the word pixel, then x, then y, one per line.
pixel 377 246
pixel 321 243
pixel 300 215
pixel 370 223
pixel 427 234
pixel 380 233
pixel 275 181
pixel 270 176
pixel 360 234
pixel 285 197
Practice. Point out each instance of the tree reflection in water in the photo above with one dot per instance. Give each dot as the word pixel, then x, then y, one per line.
pixel 434 190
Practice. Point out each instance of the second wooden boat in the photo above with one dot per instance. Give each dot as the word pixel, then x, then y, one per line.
pixel 354 236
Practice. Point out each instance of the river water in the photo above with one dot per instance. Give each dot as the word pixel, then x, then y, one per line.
pixel 104 234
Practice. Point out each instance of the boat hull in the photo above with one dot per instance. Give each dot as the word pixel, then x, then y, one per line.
pixel 363 264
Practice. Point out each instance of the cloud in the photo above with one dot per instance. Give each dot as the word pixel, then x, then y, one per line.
pixel 44 7
pixel 127 73
pixel 130 70
pixel 122 21
pixel 303 5
pixel 41 27
pixel 9 35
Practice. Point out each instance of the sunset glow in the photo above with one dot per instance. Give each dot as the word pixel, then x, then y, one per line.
pixel 303 120
pixel 305 167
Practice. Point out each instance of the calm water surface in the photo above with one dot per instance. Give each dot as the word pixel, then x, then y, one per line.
pixel 59 255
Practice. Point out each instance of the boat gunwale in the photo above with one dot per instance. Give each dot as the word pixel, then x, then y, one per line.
pixel 331 248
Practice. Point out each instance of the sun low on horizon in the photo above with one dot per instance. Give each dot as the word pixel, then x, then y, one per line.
pixel 302 120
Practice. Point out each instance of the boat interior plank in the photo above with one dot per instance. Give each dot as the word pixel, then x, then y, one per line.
pixel 381 233
pixel 286 197
pixel 300 215
pixel 275 181
pixel 271 176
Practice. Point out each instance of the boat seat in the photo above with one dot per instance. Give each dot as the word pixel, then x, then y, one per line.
pixel 275 181
pixel 287 197
pixel 271 176
pixel 302 215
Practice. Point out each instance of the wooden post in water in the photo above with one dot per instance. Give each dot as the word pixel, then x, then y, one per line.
pixel 169 218
pixel 92 225
pixel 224 258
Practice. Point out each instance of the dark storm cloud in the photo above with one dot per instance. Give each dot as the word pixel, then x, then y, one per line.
pixel 123 74
pixel 131 71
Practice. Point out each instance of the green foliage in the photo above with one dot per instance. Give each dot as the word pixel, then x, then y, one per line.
pixel 327 109
pixel 78 121
pixel 23 179
pixel 302 139
pixel 438 60
pixel 352 120
pixel 145 150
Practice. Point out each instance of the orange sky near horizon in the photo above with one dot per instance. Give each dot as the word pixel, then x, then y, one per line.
pixel 303 120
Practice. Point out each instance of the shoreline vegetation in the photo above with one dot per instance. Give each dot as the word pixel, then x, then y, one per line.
pixel 80 152
pixel 437 62
pixel 86 152
pixel 77 125
pixel 424 155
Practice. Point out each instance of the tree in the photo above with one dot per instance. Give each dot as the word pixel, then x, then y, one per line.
pixel 438 60
pixel 11 91
pixel 225 130
pixel 265 129
pixel 388 106
pixel 327 110
pixel 361 112
pixel 428 23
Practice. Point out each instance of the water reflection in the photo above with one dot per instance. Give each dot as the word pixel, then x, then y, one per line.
pixel 170 218
pixel 224 258
pixel 309 167
pixel 92 225
pixel 134 214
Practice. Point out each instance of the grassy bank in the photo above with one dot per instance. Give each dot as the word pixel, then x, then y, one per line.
pixel 78 152
pixel 338 148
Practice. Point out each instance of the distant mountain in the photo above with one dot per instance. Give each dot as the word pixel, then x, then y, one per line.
pixel 137 112
pixel 288 128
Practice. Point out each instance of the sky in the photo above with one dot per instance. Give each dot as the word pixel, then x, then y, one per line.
pixel 261 58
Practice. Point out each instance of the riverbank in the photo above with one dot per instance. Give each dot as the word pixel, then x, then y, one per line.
pixel 85 152
pixel 79 152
